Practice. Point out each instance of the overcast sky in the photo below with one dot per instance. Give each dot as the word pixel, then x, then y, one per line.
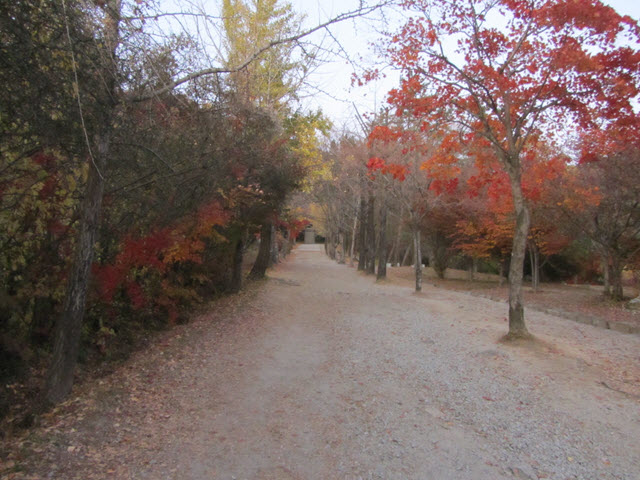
pixel 333 80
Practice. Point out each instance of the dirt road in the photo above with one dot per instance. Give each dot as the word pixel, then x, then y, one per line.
pixel 320 373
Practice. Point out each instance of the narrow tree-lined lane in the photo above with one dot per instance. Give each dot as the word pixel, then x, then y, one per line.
pixel 320 373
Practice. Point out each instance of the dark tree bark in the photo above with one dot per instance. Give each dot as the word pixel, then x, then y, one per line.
pixel 382 247
pixel 612 272
pixel 68 329
pixel 275 253
pixel 405 257
pixel 616 278
pixel 286 243
pixel 263 261
pixel 330 245
pixel 436 262
pixel 238 258
pixel 606 273
pixel 362 235
pixel 438 251
pixel 371 235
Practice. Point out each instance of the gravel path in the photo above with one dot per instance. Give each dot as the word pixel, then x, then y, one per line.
pixel 320 373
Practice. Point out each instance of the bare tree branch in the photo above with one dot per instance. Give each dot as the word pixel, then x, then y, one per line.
pixel 172 14
pixel 359 12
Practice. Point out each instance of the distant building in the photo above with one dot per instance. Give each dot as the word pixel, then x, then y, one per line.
pixel 309 235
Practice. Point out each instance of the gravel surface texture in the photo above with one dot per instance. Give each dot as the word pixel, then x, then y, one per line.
pixel 321 373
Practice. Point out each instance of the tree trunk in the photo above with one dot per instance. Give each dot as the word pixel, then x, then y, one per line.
pixel 417 259
pixel 606 273
pixel 362 236
pixel 382 247
pixel 470 268
pixel 405 257
pixel 616 278
pixel 68 329
pixel 393 253
pixel 436 262
pixel 286 244
pixel 371 236
pixel 331 240
pixel 275 254
pixel 341 240
pixel 535 266
pixel 238 258
pixel 501 270
pixel 262 262
pixel 69 326
pixel 517 327
pixel 353 240
pixel 395 258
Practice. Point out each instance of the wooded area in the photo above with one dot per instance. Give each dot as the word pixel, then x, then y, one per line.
pixel 500 144
pixel 139 165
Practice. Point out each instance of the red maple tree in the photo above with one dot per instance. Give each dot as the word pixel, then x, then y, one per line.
pixel 504 72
